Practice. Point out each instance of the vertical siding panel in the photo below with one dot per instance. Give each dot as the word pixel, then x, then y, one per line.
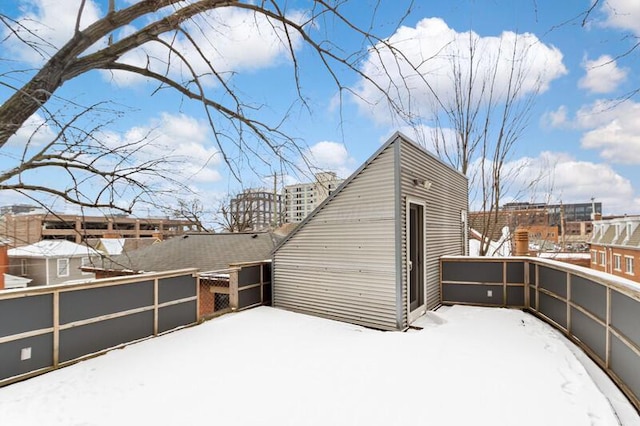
pixel 341 263
pixel 445 200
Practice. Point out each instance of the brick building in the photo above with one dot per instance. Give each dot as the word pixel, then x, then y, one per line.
pixel 615 246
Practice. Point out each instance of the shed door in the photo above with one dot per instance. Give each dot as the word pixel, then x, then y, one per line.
pixel 415 260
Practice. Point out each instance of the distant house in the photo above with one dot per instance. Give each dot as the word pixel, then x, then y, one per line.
pixel 116 246
pixel 615 246
pixel 207 252
pixel 369 254
pixel 50 262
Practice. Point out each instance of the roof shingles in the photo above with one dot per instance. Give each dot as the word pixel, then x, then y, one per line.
pixel 207 252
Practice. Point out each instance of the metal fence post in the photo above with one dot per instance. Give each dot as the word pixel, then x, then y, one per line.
pixel 233 288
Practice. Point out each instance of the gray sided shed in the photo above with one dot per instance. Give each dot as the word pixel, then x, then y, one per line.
pixel 385 227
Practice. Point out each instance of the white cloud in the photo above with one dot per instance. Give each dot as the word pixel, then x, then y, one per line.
pixel 624 14
pixel 178 137
pixel 570 180
pixel 613 129
pixel 48 23
pixel 435 50
pixel 557 118
pixel 609 126
pixel 602 75
pixel 231 39
pixel 34 133
pixel 331 156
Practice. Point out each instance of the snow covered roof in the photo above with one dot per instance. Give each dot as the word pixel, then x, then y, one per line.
pixel 11 281
pixel 207 252
pixel 463 356
pixel 53 248
pixel 113 246
pixel 564 255
pixel 499 248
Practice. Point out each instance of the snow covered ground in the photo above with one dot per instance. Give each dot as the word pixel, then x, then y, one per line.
pixel 468 366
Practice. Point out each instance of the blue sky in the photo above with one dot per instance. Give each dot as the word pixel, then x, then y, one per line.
pixel 581 140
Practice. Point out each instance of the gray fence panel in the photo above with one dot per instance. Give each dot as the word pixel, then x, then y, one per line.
pixel 553 308
pixel 94 302
pixel 486 272
pixel 515 272
pixel 515 296
pixel 83 340
pixel 552 280
pixel 590 295
pixel 453 293
pixel 41 355
pixel 175 288
pixel 532 298
pixel 625 316
pixel 249 297
pixel 26 314
pixel 532 274
pixel 626 364
pixel 249 275
pixel 266 294
pixel 266 272
pixel 589 332
pixel 170 317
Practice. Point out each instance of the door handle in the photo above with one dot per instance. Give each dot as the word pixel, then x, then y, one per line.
pixel 410 266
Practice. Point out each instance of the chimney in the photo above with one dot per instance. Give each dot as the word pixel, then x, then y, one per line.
pixel 522 242
pixel 4 262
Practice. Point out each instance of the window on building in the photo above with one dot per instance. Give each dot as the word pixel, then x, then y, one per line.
pixel 628 265
pixel 594 256
pixel 23 267
pixel 603 258
pixel 617 262
pixel 85 262
pixel 63 267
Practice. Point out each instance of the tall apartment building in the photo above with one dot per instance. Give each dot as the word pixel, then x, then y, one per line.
pixel 29 228
pixel 254 210
pixel 615 246
pixel 301 199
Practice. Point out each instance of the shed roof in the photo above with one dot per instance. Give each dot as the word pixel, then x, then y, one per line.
pixel 52 248
pixel 396 137
pixel 11 281
pixel 207 252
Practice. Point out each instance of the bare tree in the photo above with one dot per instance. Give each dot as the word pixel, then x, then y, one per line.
pixel 192 211
pixel 250 210
pixel 242 136
pixel 478 126
pixel 235 215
